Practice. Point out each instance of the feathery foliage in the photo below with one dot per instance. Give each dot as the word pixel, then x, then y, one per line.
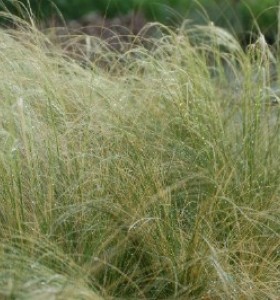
pixel 148 174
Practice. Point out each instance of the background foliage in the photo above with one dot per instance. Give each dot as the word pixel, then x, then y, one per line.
pixel 236 15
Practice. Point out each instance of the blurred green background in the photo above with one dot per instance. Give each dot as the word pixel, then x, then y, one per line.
pixel 236 15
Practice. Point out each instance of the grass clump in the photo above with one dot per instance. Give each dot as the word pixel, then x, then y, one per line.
pixel 155 177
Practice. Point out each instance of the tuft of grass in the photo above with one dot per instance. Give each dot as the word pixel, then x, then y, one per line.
pixel 152 175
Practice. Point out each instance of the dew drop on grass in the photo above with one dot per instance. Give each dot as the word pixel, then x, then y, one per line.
pixel 14 150
pixel 20 102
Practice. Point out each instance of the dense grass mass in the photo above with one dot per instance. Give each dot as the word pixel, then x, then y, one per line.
pixel 149 174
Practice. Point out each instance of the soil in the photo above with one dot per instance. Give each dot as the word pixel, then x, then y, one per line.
pixel 119 34
pixel 114 31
